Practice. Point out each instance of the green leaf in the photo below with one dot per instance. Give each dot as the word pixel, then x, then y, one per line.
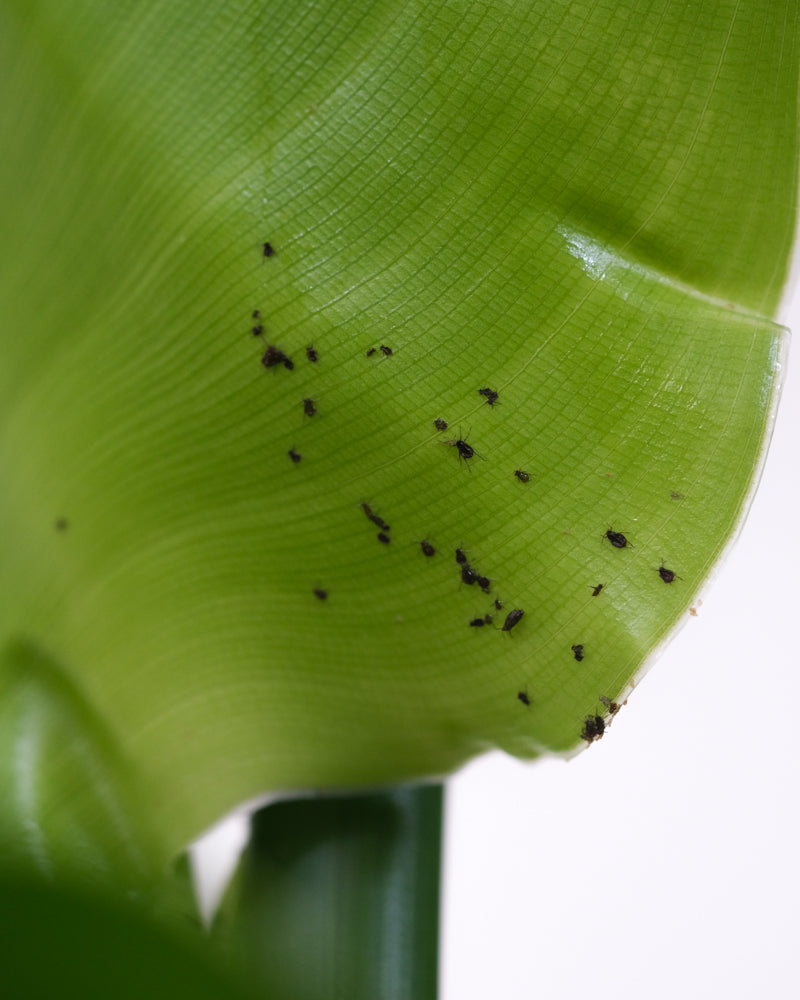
pixel 588 210
pixel 60 942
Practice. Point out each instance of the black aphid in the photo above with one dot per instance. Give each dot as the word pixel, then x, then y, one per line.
pixel 477 623
pixel 439 424
pixel 256 314
pixel 274 356
pixel 612 706
pixel 488 619
pixel 523 697
pixel 371 351
pixel 617 539
pixel 311 353
pixel 667 575
pixel 269 250
pixel 460 557
pixel 577 651
pixel 511 619
pixel 596 590
pixel 294 456
pixel 468 575
pixel 484 583
pixel 465 451
pixel 498 605
pixel 383 537
pixel 523 477
pixel 386 350
pixel 321 594
pixel 593 728
pixel 309 409
pixel 490 394
pixel 427 548
pixel 375 518
pixel 258 330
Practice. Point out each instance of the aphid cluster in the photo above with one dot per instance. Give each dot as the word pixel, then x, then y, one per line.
pixel 593 728
pixel 480 622
pixel 470 575
pixel 382 536
pixel 275 356
pixel 594 725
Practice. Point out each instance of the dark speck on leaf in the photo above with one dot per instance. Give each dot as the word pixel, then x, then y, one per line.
pixel 294 455
pixel 593 728
pixel 460 557
pixel 440 424
pixel 612 706
pixel 427 548
pixel 596 590
pixel 577 652
pixel 269 250
pixel 523 697
pixel 386 350
pixel 311 353
pixel 512 618
pixel 383 537
pixel 321 594
pixel 523 477
pixel 61 524
pixel 371 351
pixel 490 395
pixel 617 539
pixel 375 518
pixel 309 408
pixel 274 356
pixel 477 623
pixel 667 575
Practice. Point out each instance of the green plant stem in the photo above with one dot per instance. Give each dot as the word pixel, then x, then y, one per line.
pixel 340 896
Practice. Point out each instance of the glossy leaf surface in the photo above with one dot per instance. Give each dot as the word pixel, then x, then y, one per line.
pixel 585 209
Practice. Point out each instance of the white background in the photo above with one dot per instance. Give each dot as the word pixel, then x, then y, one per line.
pixel 663 861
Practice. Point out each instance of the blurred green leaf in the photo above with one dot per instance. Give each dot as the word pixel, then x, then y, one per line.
pixel 59 942
pixel 586 208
